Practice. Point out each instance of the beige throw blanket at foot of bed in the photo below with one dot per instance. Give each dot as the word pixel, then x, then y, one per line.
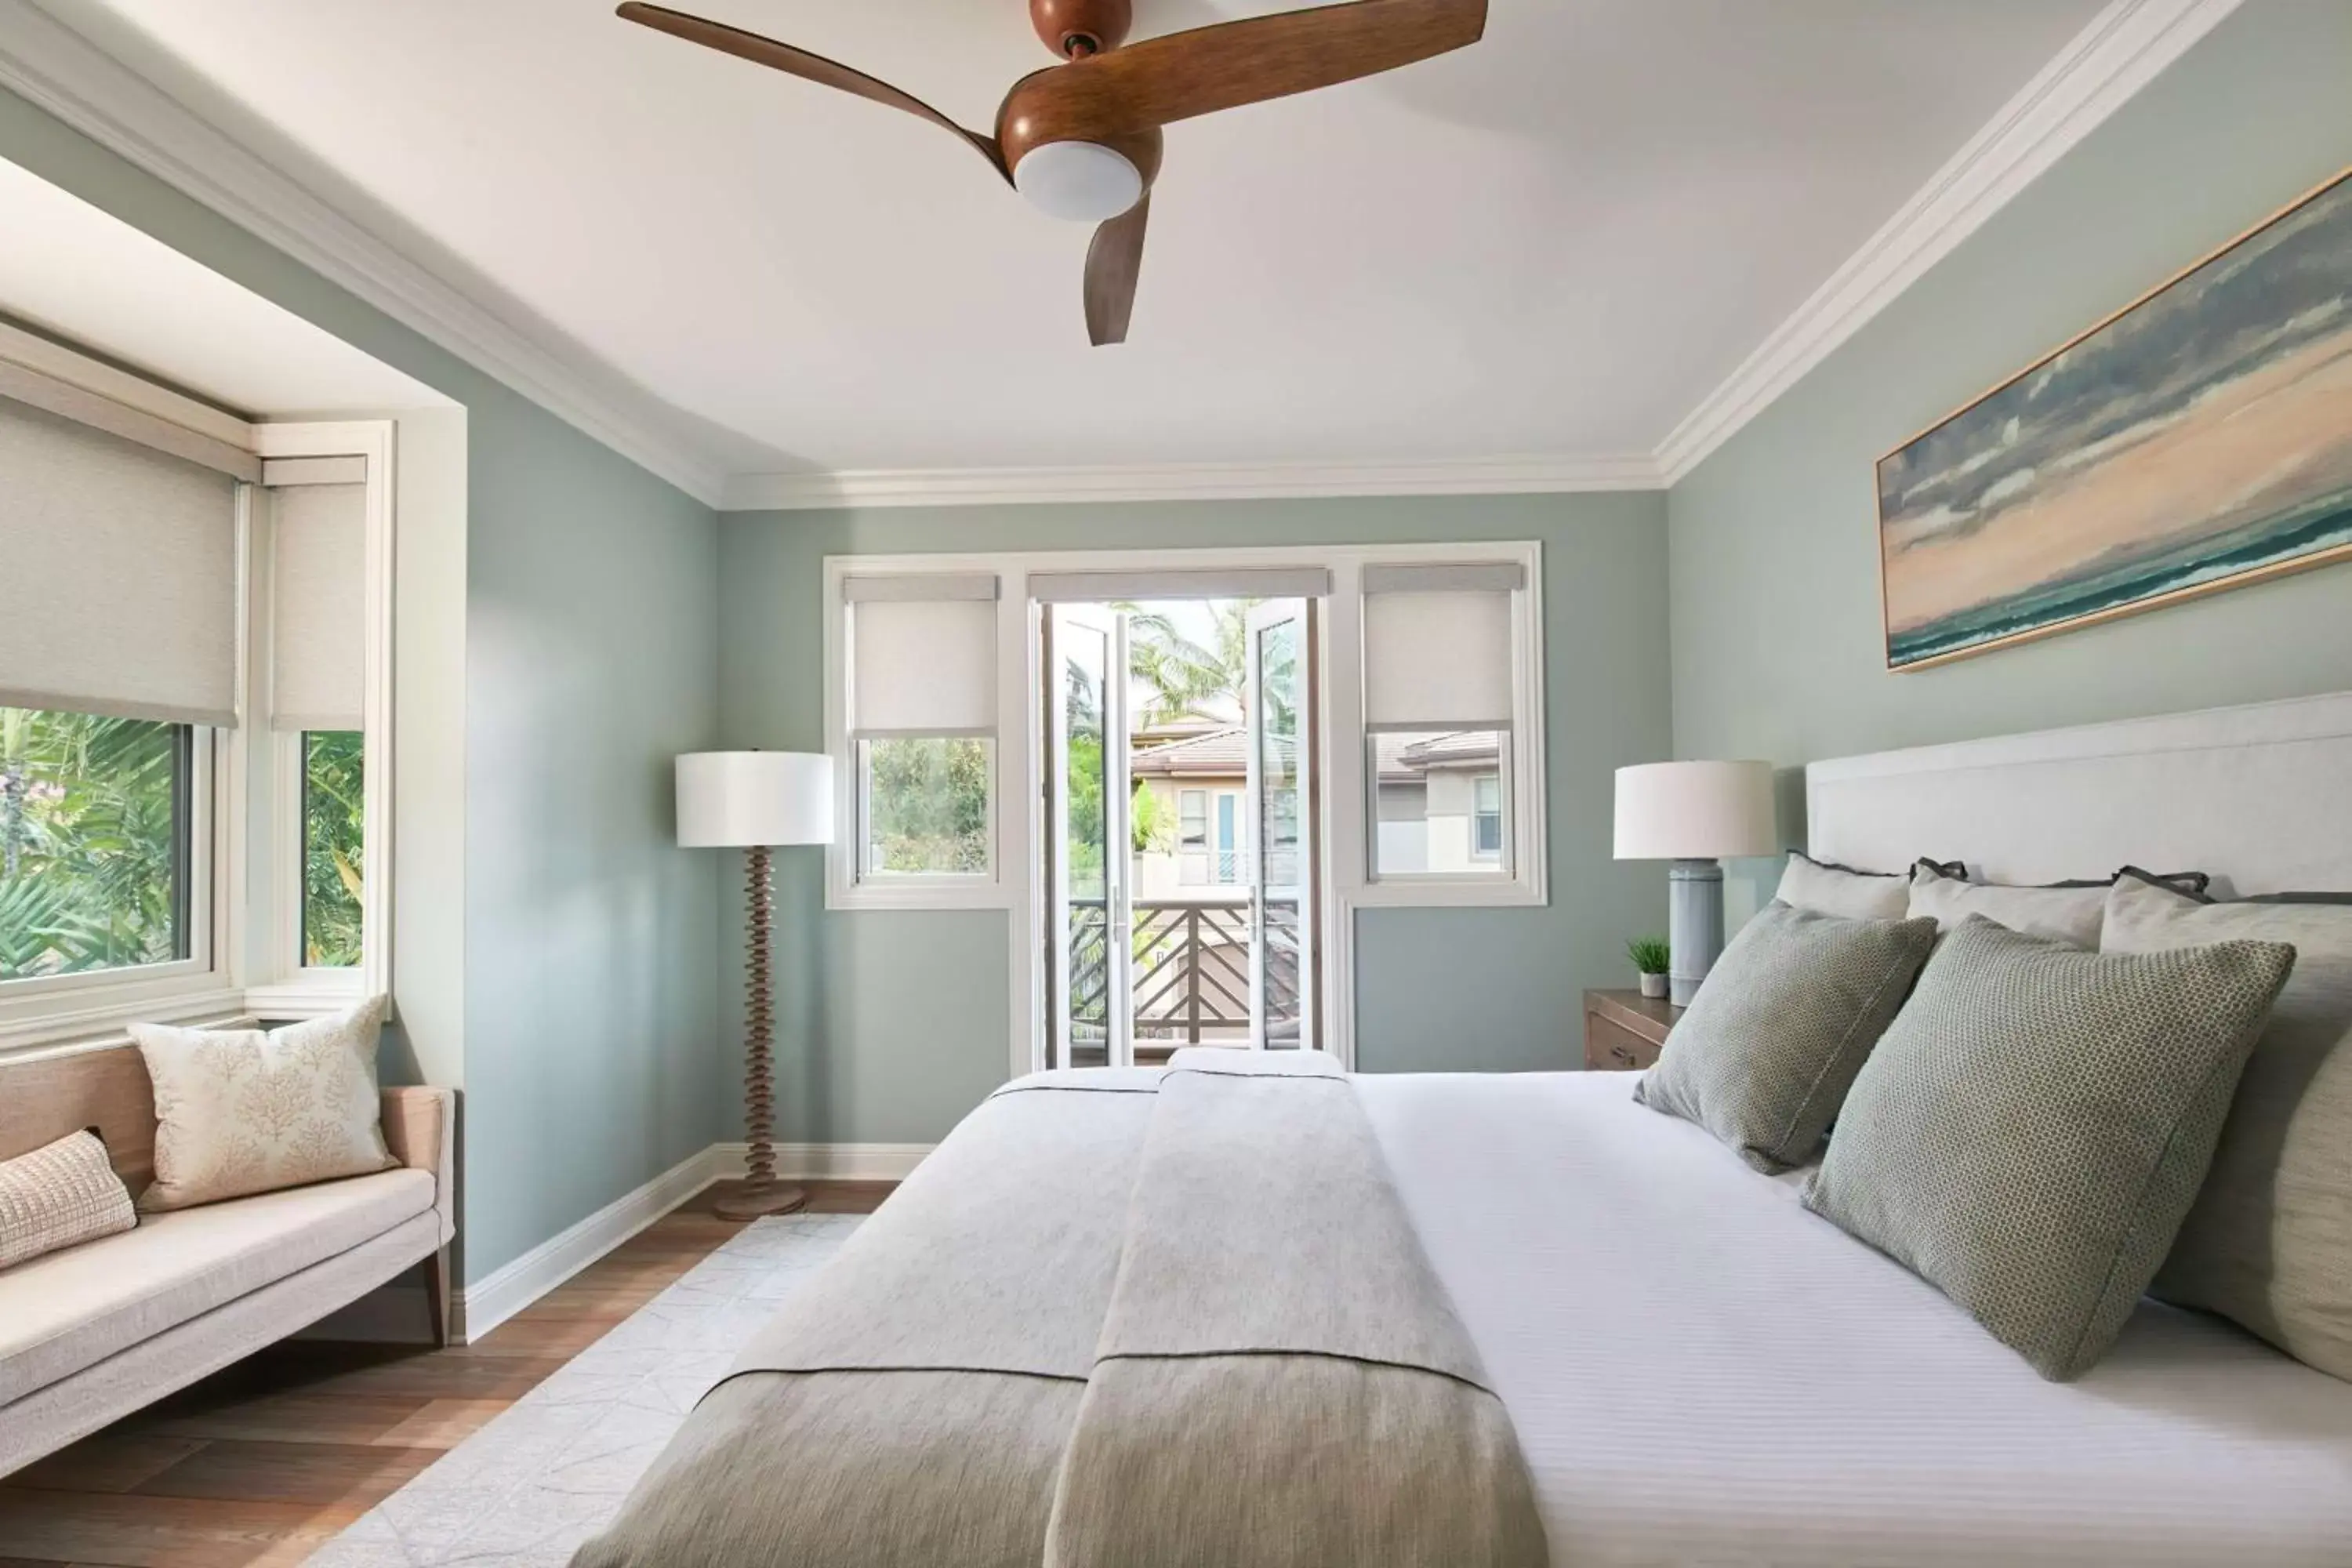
pixel 1117 1320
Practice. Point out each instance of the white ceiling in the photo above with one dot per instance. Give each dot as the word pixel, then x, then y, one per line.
pixel 72 272
pixel 1554 243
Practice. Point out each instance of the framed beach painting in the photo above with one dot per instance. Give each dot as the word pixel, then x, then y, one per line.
pixel 2199 440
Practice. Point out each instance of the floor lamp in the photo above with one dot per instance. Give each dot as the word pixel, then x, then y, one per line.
pixel 752 801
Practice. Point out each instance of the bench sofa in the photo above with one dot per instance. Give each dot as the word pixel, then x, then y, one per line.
pixel 92 1333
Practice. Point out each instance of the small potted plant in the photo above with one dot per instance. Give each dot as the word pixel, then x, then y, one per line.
pixel 1649 955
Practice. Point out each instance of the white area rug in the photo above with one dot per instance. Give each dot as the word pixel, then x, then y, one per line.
pixel 529 1487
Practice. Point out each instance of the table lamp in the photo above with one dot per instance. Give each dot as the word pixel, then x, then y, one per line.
pixel 1696 814
pixel 753 800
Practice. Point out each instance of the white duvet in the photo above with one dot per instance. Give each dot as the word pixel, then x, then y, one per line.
pixel 1702 1373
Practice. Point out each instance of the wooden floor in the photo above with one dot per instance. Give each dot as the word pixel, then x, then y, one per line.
pixel 266 1460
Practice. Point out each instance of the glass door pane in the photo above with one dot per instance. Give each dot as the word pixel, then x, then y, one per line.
pixel 1279 841
pixel 1087 810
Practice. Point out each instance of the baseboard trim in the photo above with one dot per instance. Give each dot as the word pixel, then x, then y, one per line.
pixel 485 1304
pixel 510 1288
pixel 829 1162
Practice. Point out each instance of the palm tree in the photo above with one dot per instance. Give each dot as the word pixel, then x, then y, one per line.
pixel 1190 678
pixel 88 859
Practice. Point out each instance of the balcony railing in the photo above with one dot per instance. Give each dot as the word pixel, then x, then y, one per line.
pixel 1191 970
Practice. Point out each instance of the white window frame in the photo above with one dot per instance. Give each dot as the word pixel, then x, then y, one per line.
pixel 243 863
pixel 1017 885
pixel 281 985
pixel 69 1009
pixel 847 885
pixel 867 877
pixel 101 1001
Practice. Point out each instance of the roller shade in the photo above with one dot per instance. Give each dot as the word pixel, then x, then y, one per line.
pixel 119 590
pixel 922 655
pixel 318 604
pixel 1437 646
pixel 1236 583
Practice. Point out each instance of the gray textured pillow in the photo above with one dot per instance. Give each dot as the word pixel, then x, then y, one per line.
pixel 1767 1049
pixel 2269 1243
pixel 2033 1127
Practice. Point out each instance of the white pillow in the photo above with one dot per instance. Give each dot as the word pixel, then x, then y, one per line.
pixel 2070 915
pixel 238 1112
pixel 1831 890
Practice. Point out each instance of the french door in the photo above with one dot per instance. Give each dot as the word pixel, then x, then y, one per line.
pixel 1090 978
pixel 1123 971
pixel 1280 813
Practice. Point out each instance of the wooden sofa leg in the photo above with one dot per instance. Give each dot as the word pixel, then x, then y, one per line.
pixel 436 1295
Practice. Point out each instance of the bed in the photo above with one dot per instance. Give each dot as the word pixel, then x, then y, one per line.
pixel 1695 1369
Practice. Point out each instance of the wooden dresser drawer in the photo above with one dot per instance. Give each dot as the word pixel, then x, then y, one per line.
pixel 1609 1048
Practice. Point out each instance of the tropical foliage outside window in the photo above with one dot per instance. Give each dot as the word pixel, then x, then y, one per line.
pixel 925 805
pixel 94 842
pixel 334 816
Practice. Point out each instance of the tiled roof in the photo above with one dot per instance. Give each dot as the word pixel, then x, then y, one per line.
pixel 1224 753
pixel 1221 754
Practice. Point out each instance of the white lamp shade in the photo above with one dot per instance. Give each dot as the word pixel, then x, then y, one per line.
pixel 1695 811
pixel 738 799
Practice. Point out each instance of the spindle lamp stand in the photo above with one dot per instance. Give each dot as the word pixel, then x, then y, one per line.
pixel 753 801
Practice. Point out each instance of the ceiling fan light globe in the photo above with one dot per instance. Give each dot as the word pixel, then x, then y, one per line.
pixel 1083 181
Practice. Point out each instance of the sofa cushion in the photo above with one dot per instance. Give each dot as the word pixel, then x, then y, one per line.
pixel 71 1309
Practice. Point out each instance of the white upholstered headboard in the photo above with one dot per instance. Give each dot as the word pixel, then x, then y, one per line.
pixel 2260 796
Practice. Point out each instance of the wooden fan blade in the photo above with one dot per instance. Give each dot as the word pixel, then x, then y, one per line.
pixel 1114 261
pixel 779 57
pixel 1205 69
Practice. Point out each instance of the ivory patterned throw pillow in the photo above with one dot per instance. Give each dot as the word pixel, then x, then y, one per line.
pixel 239 1112
pixel 59 1195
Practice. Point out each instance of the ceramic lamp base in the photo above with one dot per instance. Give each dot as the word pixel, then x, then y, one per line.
pixel 1694 926
pixel 757 1203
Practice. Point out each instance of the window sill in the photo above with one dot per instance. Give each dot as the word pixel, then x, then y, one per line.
pixel 983 894
pixel 108 1023
pixel 307 998
pixel 1443 892
pixel 105 1021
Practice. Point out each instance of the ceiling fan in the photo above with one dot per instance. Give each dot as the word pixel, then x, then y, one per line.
pixel 1081 140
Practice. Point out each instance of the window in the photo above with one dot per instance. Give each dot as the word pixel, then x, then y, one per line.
pixel 201 615
pixel 921 731
pixel 1486 816
pixel 97 819
pixel 1192 813
pixel 923 806
pixel 317 695
pixel 334 815
pixel 1438 800
pixel 1439 698
pixel 1229 854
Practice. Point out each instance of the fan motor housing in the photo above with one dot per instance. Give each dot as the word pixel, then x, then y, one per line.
pixel 1075 29
pixel 1061 105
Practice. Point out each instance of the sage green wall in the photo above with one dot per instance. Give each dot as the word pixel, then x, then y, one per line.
pixel 1778 650
pixel 590 963
pixel 894 1025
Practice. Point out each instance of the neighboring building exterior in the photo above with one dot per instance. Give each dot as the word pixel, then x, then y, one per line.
pixel 1439 807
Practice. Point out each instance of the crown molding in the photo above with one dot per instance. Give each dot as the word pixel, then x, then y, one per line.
pixel 1189 481
pixel 2121 50
pixel 55 67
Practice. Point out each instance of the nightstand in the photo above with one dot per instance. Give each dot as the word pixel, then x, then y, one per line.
pixel 1624 1029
